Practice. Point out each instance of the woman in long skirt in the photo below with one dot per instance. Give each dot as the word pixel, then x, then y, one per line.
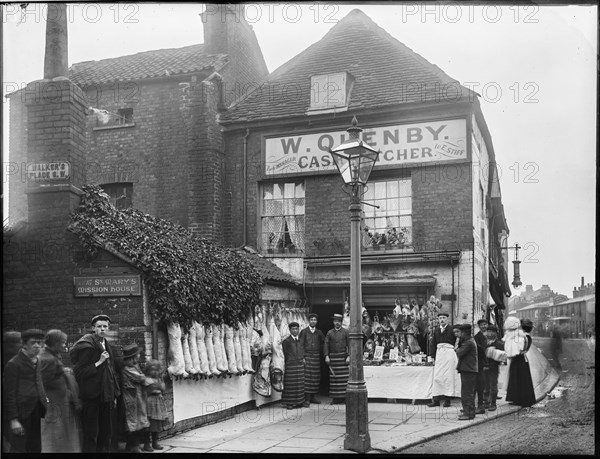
pixel 520 384
pixel 61 426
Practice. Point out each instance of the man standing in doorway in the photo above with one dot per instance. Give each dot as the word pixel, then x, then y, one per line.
pixel 482 363
pixel 337 356
pixel 25 400
pixel 444 370
pixel 313 340
pixel 96 375
pixel 293 377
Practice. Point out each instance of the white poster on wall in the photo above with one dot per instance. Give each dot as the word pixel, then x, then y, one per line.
pixel 401 144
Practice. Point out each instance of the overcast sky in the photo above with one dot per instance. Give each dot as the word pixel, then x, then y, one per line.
pixel 535 68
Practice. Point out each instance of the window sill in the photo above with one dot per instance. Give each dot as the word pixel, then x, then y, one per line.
pixel 117 126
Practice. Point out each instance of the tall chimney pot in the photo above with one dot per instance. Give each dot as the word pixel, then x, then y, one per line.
pixel 56 57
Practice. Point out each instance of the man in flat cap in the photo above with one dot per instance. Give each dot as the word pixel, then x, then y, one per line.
pixel 313 340
pixel 466 352
pixel 293 378
pixel 445 377
pixel 492 369
pixel 337 355
pixel 25 401
pixel 96 373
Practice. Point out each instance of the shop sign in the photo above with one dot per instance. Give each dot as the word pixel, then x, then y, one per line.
pixel 48 171
pixel 401 145
pixel 122 285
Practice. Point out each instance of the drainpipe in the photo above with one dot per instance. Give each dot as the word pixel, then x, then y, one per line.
pixel 473 286
pixel 452 294
pixel 245 185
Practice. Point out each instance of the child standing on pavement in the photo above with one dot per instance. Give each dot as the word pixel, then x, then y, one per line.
pixel 134 398
pixel 492 368
pixel 158 415
pixel 466 352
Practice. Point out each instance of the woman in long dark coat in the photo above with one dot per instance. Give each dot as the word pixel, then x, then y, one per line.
pixel 61 426
pixel 518 341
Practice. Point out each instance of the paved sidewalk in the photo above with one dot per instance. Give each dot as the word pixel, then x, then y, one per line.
pixel 321 428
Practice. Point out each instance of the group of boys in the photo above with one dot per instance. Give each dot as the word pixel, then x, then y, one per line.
pixel 25 400
pixel 454 348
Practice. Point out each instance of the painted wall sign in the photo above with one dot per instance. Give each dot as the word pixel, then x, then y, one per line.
pixel 48 171
pixel 122 285
pixel 402 144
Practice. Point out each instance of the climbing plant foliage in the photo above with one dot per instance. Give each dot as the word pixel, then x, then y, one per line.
pixel 188 277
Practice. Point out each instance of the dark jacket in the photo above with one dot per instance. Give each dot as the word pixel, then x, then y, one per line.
pixel 95 381
pixel 337 342
pixel 22 387
pixel 481 342
pixel 467 356
pixel 53 376
pixel 492 364
pixel 293 350
pixel 313 342
pixel 439 337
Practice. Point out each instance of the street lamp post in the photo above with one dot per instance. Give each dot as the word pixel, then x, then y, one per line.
pixel 354 160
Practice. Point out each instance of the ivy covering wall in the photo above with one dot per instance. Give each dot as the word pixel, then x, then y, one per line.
pixel 188 277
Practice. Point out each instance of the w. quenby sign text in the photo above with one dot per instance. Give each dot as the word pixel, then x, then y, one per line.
pixel 403 144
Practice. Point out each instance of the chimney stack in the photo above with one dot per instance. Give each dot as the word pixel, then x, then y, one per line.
pixel 582 282
pixel 56 58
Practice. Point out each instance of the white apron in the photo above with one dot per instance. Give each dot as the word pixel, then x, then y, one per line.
pixel 446 380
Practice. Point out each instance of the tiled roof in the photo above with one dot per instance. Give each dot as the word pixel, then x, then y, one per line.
pixel 149 64
pixel 385 71
pixel 267 269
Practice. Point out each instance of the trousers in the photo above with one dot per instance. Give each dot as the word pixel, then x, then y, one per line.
pixel 96 424
pixel 480 387
pixel 31 441
pixel 491 385
pixel 468 383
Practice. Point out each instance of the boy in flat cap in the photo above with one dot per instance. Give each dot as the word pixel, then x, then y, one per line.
pixel 492 369
pixel 293 378
pixel 444 370
pixel 337 355
pixel 96 373
pixel 313 340
pixel 25 400
pixel 466 352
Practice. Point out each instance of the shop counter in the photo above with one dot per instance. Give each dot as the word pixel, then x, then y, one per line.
pixel 403 382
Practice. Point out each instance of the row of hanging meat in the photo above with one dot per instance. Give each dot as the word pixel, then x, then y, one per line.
pixel 207 351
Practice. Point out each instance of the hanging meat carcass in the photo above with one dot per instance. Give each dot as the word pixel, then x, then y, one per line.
pixel 230 350
pixel 346 316
pixel 284 330
pixel 202 354
pixel 261 380
pixel 222 345
pixel 219 357
pixel 277 359
pixel 245 343
pixel 187 356
pixel 237 348
pixel 210 351
pixel 176 361
pixel 194 349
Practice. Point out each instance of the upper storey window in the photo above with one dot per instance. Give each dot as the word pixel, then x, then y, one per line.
pixel 330 92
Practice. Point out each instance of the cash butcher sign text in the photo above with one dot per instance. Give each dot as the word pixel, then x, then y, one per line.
pixel 404 144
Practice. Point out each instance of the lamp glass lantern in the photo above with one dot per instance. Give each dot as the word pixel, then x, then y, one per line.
pixel 355 160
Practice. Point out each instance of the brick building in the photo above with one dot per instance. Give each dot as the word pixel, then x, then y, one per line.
pixel 440 229
pixel 145 128
pixel 188 140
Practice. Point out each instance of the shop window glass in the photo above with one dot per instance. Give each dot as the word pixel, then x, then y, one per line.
pixel 282 217
pixel 391 223
pixel 121 194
